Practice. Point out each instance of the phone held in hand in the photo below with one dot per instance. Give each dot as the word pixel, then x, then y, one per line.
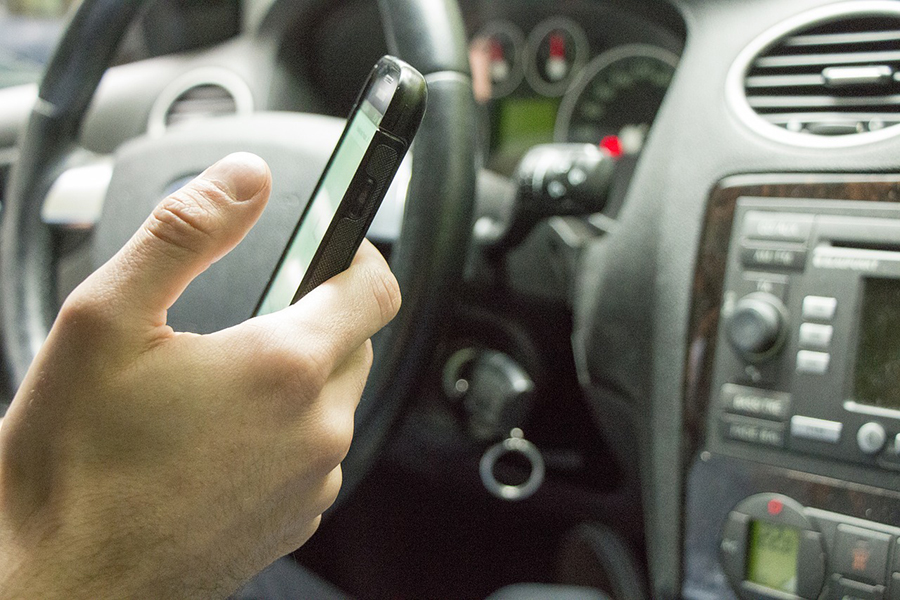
pixel 380 128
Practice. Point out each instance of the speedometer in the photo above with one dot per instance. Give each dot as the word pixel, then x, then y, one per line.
pixel 615 98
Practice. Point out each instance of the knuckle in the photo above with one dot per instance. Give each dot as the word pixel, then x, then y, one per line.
pixel 333 439
pixel 294 374
pixel 188 218
pixel 85 311
pixel 385 291
pixel 307 369
pixel 331 487
pixel 300 534
pixel 368 356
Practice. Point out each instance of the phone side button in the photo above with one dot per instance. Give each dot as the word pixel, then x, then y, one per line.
pixel 361 199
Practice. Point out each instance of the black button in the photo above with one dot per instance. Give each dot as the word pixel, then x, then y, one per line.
pixel 755 431
pixel 846 589
pixel 781 227
pixel 768 256
pixel 754 402
pixel 861 554
pixel 363 196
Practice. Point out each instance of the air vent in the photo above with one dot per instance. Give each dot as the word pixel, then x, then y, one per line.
pixel 200 94
pixel 830 77
pixel 201 102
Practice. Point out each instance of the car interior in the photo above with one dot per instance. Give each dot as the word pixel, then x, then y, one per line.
pixel 650 340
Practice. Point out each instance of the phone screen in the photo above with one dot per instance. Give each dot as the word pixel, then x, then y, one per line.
pixel 322 208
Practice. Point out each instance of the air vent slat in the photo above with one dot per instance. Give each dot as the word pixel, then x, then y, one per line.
pixel 822 101
pixel 839 39
pixel 215 106
pixel 777 81
pixel 834 73
pixel 812 60
pixel 201 102
pixel 853 117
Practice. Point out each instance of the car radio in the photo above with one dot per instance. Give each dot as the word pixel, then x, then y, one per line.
pixel 808 352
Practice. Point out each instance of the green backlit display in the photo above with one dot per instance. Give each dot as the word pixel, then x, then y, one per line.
pixel 527 119
pixel 519 124
pixel 772 556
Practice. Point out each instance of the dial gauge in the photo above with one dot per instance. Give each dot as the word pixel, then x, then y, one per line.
pixel 557 50
pixel 615 98
pixel 496 56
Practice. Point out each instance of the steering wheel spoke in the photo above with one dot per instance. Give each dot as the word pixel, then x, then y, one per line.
pixel 75 199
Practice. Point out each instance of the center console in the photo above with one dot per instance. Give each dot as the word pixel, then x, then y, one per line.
pixel 793 386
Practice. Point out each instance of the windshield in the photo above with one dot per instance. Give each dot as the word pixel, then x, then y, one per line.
pixel 29 30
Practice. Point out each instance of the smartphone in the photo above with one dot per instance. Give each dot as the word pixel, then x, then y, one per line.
pixel 379 130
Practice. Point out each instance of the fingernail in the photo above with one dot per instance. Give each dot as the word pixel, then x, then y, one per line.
pixel 243 174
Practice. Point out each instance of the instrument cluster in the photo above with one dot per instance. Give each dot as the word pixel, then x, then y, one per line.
pixel 567 78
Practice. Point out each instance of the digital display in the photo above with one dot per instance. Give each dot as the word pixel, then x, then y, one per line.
pixel 321 209
pixel 772 556
pixel 520 124
pixel 876 379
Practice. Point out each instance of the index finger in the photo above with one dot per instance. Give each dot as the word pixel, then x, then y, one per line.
pixel 336 318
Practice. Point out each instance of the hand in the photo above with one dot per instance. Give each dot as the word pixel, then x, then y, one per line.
pixel 140 462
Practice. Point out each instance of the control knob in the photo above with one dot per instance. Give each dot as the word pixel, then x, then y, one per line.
pixel 756 326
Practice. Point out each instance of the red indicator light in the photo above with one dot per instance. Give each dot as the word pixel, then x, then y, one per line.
pixel 557 46
pixel 775 507
pixel 496 51
pixel 612 145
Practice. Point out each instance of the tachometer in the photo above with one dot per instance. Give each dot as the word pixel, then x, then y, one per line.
pixel 615 98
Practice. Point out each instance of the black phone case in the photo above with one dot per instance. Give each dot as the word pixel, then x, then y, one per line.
pixel 399 122
pixel 349 227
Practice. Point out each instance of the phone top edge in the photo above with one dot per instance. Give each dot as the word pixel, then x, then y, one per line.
pixel 406 108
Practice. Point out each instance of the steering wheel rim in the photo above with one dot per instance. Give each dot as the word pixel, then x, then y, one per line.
pixel 427 261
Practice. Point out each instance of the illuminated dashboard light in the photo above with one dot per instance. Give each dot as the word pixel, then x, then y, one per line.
pixel 612 145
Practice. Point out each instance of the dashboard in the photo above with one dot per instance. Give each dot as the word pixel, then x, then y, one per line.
pixel 584 75
pixel 705 365
pixel 573 72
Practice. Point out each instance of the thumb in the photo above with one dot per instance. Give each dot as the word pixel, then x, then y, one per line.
pixel 187 232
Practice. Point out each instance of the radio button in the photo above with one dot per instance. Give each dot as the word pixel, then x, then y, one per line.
pixel 871 438
pixel 753 402
pixel 861 554
pixel 767 256
pixel 781 227
pixel 755 327
pixel 819 308
pixel 818 430
pixel 813 363
pixel 754 431
pixel 815 337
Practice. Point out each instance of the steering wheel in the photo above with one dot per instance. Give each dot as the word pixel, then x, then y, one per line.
pixel 427 260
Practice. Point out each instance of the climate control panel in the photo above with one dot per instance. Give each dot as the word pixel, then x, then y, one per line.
pixel 774 548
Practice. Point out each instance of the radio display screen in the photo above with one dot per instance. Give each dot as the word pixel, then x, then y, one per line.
pixel 876 379
pixel 772 556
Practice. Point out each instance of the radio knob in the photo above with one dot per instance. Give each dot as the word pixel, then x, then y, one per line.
pixel 757 325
